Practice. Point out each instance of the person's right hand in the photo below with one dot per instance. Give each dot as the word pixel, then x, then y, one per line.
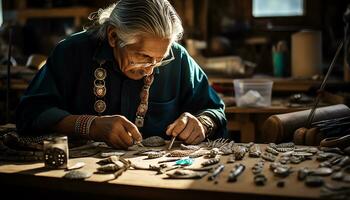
pixel 116 130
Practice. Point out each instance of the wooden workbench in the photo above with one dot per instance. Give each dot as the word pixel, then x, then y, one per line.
pixel 140 184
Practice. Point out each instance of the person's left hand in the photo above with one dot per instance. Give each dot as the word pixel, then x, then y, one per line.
pixel 187 128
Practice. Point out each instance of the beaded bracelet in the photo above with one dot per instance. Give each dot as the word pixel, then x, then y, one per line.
pixel 83 124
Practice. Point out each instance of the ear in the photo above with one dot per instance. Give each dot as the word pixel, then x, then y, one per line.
pixel 112 36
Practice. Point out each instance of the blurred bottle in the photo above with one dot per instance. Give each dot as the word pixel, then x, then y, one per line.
pixel 279 59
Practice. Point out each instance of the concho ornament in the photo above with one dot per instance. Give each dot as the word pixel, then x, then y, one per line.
pixel 100 91
pixel 100 106
pixel 100 73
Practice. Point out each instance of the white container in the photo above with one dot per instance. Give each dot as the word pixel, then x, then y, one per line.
pixel 253 92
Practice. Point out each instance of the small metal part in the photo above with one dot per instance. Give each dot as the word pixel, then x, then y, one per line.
pixel 258 167
pixel 296 159
pixel 322 171
pixel 260 179
pixel 314 181
pixel 254 151
pixel 338 176
pixel 227 148
pixel 211 161
pixel 239 152
pixel 216 172
pixel 285 145
pixel 285 149
pixel 213 152
pixel 303 173
pixel 280 170
pixel 271 150
pixel 305 154
pixel 235 172
pixel 268 157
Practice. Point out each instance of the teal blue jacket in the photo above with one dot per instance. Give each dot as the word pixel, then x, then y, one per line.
pixel 64 86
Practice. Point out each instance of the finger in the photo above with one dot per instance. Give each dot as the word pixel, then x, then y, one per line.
pixel 193 135
pixel 185 134
pixel 179 126
pixel 131 128
pixel 198 139
pixel 116 142
pixel 126 138
pixel 122 143
pixel 170 128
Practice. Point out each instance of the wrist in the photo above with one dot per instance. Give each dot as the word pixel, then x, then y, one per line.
pixel 207 123
pixel 84 125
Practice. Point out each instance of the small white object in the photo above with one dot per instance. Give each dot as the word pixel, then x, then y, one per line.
pixel 250 98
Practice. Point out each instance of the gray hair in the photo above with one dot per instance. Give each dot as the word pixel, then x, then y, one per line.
pixel 136 17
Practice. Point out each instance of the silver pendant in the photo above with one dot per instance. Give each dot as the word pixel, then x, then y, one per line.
pixel 100 73
pixel 100 91
pixel 100 106
pixel 139 121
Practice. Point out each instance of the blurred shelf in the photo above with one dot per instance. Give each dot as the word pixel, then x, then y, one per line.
pixel 77 13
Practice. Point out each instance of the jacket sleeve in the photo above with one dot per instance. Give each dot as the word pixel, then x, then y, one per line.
pixel 41 106
pixel 198 97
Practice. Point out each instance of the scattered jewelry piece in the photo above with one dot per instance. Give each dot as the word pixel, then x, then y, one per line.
pixel 235 172
pixel 314 181
pixel 260 179
pixel 211 161
pixel 239 152
pixel 216 172
pixel 271 150
pixel 268 157
pixel 255 151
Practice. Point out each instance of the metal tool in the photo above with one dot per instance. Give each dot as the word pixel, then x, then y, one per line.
pixel 172 142
pixel 324 82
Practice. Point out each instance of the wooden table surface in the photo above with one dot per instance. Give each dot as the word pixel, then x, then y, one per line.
pixel 142 184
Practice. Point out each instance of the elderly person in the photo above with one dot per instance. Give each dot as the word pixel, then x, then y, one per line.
pixel 124 78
